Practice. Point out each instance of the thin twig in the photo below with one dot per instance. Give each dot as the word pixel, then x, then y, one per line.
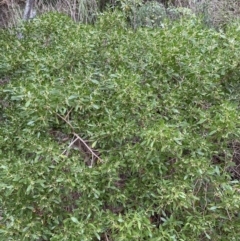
pixel 86 145
pixel 65 120
pixel 71 144
pixel 67 115
pixel 229 216
pixel 106 237
pixel 81 140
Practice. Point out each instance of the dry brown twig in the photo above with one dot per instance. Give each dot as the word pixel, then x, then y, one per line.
pixel 106 237
pixel 78 138
pixel 65 152
pixel 89 149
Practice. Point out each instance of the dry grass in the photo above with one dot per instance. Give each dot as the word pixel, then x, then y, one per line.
pixel 215 12
pixel 218 13
pixel 11 11
pixel 78 10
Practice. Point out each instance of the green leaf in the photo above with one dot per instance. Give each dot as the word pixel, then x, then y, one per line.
pixel 94 144
pixel 212 132
pixel 27 103
pixel 201 121
pixel 97 236
pixel 71 97
pixel 29 188
pixel 212 208
pixel 178 140
pixel 139 225
pixel 94 81
pixel 74 220
pixel 120 219
pixel 30 123
pixel 95 106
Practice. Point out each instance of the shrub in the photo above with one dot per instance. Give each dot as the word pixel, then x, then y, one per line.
pixel 150 14
pixel 110 133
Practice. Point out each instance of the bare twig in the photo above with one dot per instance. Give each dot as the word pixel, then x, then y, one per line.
pixel 80 139
pixel 229 216
pixel 67 115
pixel 69 146
pixel 65 120
pixel 106 237
pixel 86 145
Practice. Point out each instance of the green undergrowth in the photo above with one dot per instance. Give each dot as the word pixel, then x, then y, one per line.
pixel 109 133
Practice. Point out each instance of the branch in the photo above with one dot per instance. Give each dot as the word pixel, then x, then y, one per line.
pixel 65 121
pixel 106 237
pixel 80 139
pixel 71 144
pixel 67 115
pixel 86 145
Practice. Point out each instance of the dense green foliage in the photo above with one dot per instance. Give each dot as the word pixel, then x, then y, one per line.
pixel 109 133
